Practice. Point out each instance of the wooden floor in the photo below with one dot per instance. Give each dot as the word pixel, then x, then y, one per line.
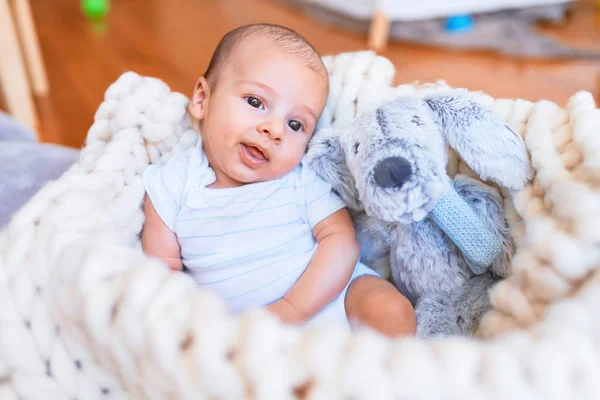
pixel 174 39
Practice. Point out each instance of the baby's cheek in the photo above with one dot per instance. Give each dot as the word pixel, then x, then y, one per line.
pixel 287 164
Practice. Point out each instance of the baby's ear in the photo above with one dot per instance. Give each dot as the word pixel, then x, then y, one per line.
pixel 490 147
pixel 197 106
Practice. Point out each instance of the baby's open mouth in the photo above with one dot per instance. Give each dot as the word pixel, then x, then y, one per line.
pixel 253 155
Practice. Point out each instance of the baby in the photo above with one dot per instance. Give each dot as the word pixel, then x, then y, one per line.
pixel 242 214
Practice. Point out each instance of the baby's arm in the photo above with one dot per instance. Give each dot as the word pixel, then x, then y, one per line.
pixel 328 273
pixel 158 240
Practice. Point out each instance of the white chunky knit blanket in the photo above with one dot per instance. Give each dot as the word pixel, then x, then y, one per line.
pixel 84 314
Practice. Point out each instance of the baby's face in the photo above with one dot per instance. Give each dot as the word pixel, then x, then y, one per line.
pixel 257 121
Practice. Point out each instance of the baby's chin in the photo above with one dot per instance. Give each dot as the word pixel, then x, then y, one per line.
pixel 265 173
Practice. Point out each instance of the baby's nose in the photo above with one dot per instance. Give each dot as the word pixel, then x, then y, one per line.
pixel 271 129
pixel 392 172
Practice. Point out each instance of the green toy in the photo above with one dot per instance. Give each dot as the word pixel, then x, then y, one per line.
pixel 95 9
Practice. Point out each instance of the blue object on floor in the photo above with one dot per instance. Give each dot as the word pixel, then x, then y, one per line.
pixel 459 23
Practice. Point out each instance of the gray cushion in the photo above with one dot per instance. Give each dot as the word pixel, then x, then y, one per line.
pixel 11 129
pixel 26 165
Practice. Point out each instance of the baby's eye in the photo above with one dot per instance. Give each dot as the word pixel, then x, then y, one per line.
pixel 254 102
pixel 295 125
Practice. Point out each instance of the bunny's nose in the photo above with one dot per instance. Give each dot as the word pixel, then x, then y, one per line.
pixel 392 172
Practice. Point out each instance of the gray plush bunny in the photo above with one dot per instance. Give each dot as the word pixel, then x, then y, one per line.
pixel 389 167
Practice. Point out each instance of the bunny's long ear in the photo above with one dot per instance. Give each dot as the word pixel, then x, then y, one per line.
pixel 326 156
pixel 490 147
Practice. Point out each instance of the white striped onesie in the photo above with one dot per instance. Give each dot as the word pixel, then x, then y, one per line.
pixel 249 244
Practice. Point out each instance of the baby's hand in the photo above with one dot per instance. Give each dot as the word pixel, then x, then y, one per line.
pixel 286 312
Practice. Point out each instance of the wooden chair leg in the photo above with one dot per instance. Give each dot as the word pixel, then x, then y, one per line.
pixel 379 31
pixel 13 77
pixel 29 37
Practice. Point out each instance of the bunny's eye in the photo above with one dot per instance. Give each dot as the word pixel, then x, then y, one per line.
pixel 356 145
pixel 416 120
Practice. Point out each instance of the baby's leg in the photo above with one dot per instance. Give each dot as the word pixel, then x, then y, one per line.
pixel 376 303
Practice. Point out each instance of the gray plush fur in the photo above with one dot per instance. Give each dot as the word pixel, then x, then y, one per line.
pixel 484 141
pixel 392 221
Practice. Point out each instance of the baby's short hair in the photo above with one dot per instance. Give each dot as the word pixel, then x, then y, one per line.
pixel 288 39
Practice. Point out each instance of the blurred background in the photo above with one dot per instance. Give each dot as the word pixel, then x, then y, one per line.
pixel 533 49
